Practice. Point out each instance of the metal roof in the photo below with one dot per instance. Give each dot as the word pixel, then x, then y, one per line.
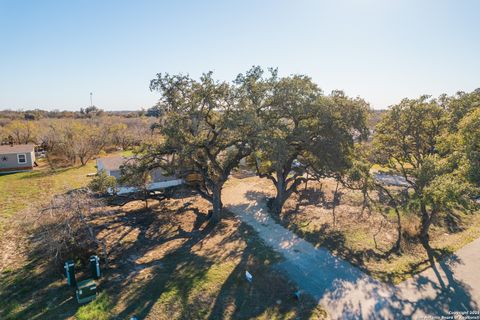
pixel 112 163
pixel 16 148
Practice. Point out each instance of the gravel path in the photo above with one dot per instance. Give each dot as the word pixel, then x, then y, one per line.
pixel 348 293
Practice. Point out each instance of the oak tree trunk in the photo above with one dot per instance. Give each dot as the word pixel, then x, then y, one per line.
pixel 334 204
pixel 424 229
pixel 398 244
pixel 281 195
pixel 217 203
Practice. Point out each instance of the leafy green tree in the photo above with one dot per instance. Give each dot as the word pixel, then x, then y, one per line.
pixel 458 106
pixel 155 111
pixel 407 142
pixel 461 143
pixel 469 132
pixel 204 128
pixel 91 111
pixel 285 125
pixel 305 132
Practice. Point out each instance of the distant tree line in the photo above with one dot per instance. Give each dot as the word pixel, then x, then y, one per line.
pixel 77 140
pixel 87 112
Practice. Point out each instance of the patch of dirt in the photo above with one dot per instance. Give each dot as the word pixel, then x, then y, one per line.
pixel 168 262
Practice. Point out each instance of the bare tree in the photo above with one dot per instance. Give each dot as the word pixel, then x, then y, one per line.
pixel 22 132
pixel 64 228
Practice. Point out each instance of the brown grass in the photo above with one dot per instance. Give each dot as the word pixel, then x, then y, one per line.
pixel 166 263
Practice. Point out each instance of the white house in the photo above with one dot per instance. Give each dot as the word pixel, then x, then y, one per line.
pixel 112 166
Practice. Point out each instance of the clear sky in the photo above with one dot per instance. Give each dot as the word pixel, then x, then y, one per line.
pixel 54 53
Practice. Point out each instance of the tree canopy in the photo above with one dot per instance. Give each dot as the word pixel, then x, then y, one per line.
pixel 305 132
pixel 415 139
pixel 204 127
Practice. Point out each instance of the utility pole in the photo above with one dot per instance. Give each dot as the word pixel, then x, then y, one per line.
pixel 91 99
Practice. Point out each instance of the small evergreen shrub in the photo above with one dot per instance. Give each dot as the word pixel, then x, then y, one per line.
pixel 102 183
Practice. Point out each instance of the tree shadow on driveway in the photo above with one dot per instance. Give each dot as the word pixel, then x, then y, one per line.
pixel 348 293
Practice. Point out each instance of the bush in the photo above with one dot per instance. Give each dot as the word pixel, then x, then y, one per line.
pixel 103 183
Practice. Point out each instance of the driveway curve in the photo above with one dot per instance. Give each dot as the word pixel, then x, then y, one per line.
pixel 348 293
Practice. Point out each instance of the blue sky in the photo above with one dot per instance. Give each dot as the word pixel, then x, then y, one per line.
pixel 54 53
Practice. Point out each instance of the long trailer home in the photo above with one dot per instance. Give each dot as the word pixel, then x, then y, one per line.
pixel 160 180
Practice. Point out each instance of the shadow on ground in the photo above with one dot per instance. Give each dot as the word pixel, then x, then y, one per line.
pixel 167 262
pixel 353 295
pixel 423 295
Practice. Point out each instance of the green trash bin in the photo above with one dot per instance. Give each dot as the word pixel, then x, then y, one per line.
pixel 86 291
pixel 70 273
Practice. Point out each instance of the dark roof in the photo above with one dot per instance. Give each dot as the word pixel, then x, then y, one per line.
pixel 16 148
pixel 112 163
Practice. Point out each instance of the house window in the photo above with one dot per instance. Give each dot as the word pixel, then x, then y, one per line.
pixel 22 158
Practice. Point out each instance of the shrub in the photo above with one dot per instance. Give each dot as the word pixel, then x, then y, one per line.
pixel 102 183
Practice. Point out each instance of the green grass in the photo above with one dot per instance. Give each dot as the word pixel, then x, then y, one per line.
pixel 181 291
pixel 20 190
pixel 23 189
pixel 98 309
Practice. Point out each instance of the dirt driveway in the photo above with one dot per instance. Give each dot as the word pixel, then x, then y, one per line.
pixel 345 291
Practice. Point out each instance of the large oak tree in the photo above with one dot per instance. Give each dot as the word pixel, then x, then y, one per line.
pixel 305 135
pixel 408 141
pixel 205 125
